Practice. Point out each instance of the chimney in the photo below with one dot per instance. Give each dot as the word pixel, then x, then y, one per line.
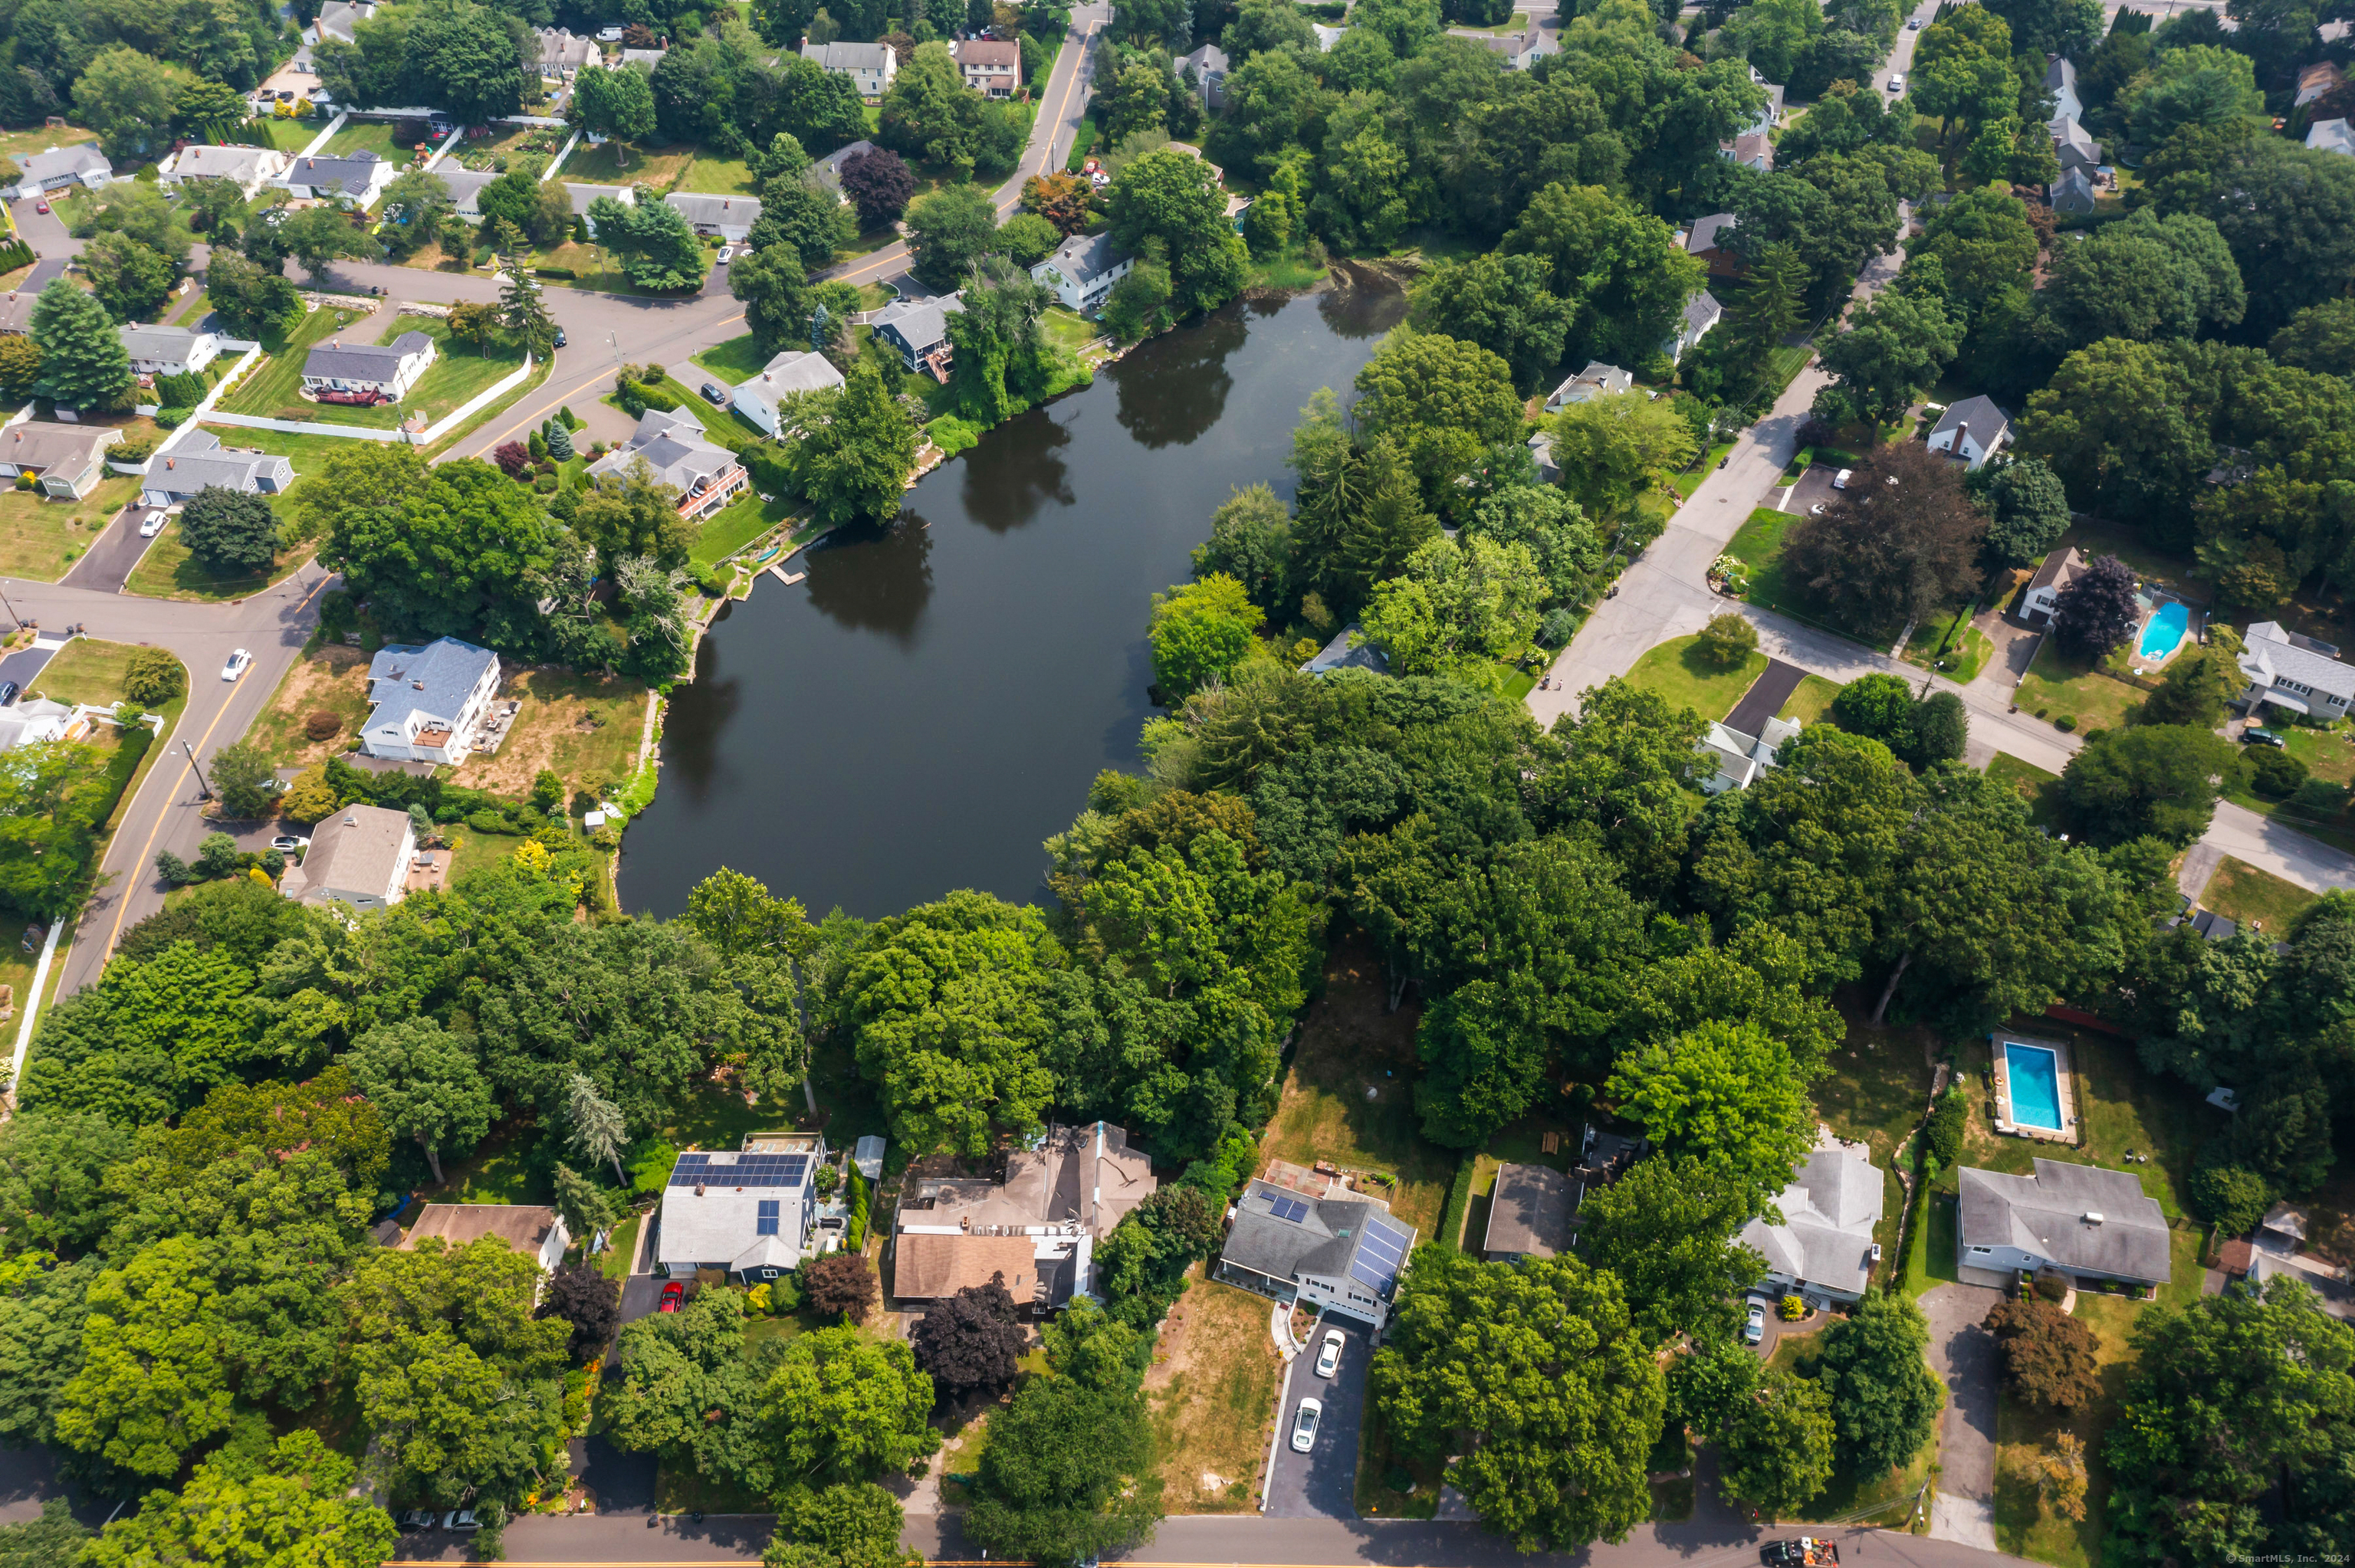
pixel 1962 434
pixel 168 462
pixel 2093 1216
pixel 698 1189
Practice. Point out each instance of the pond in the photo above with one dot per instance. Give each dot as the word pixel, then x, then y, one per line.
pixel 932 702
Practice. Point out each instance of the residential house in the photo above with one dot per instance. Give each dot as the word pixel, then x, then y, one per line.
pixel 1035 1230
pixel 2330 136
pixel 1529 1213
pixel 168 350
pixel 794 371
pixel 1772 116
pixel 918 331
pixel 1348 651
pixel 583 195
pixel 1740 758
pixel 991 66
pixel 2059 570
pixel 731 217
pixel 870 67
pixel 562 52
pixel 1311 1247
pixel 1974 429
pixel 197 462
pixel 746 1212
pixel 17 307
pixel 1752 150
pixel 1707 239
pixel 2295 672
pixel 2061 82
pixel 1701 312
pixel 2073 192
pixel 534 1230
pixel 2073 146
pixel 645 59
pixel 867 1156
pixel 1597 380
pixel 1325 36
pixel 2210 927
pixel 67 459
pixel 338 372
pixel 31 720
pixel 1542 454
pixel 247 168
pixel 2317 80
pixel 827 171
pixel 1082 270
pixel 54 168
pixel 1824 1245
pixel 427 703
pixel 676 451
pixel 357 177
pixel 359 857
pixel 1522 51
pixel 1210 68
pixel 337 19
pixel 466 189
pixel 2081 1220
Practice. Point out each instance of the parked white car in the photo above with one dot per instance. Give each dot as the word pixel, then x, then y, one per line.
pixel 236 665
pixel 1840 480
pixel 1304 1425
pixel 1897 81
pixel 151 522
pixel 1328 1356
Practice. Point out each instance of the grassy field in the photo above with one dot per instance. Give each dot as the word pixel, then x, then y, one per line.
pixel 459 371
pixel 1758 544
pixel 2032 783
pixel 307 453
pixel 1874 1091
pixel 40 538
pixel 369 135
pixel 734 361
pixel 86 670
pixel 715 175
pixel 583 730
pixel 329 678
pixel 736 526
pixel 168 571
pixel 1349 1045
pixel 1212 1395
pixel 287 135
pixel 2057 684
pixel 1676 672
pixel 17 144
pixel 603 166
pixel 270 389
pixel 1964 655
pixel 2253 896
pixel 1810 700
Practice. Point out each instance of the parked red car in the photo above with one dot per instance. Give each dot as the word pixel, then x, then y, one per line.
pixel 673 1294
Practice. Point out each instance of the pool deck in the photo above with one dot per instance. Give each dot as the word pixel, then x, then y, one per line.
pixel 2063 1083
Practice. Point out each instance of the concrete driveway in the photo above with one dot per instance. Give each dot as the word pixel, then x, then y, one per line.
pixel 1964 1356
pixel 1322 1482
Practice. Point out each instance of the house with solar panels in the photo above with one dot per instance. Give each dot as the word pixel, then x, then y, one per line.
pixel 1343 1253
pixel 746 1212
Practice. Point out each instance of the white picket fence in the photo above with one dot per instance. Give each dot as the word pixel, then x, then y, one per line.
pixel 321 139
pixel 474 405
pixel 425 437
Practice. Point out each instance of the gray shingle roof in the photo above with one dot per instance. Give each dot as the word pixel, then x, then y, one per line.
pixel 2073 145
pixel 2270 653
pixel 674 446
pixel 1983 415
pixel 200 461
pixel 847 55
pixel 447 669
pixel 354 853
pixel 1703 311
pixel 1084 257
pixel 1285 1249
pixel 2045 1214
pixel 827 171
pixel 351 174
pixel 1829 1213
pixel 729 214
pixel 1708 233
pixel 63 163
pixel 364 361
pixel 166 343
pixel 16 305
pixel 37 443
pixel 796 370
pixel 199 161
pixel 921 323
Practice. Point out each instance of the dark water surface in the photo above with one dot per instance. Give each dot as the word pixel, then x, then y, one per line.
pixel 932 702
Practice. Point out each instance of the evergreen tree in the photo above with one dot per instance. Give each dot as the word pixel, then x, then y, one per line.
pixel 524 313
pixel 83 363
pixel 559 441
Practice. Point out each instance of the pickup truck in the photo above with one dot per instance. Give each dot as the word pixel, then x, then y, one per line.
pixel 1806 1552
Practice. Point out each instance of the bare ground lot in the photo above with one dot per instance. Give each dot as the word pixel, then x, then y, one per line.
pixel 1212 1392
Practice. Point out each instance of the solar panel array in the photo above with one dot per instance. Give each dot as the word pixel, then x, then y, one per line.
pixel 743 1171
pixel 1284 1208
pixel 1382 1253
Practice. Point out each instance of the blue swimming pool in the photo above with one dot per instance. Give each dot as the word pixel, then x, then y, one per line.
pixel 2035 1075
pixel 2164 630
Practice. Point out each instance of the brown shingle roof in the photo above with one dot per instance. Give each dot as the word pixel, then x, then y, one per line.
pixel 931 1267
pixel 523 1226
pixel 2058 569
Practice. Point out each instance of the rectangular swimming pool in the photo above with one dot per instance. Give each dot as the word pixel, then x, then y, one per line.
pixel 2035 1076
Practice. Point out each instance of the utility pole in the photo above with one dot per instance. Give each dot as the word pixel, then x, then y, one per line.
pixel 12 609
pixel 204 790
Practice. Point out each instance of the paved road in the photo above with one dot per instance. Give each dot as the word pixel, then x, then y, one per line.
pixel 1322 1482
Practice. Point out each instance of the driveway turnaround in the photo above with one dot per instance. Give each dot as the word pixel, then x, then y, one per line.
pixel 1322 1482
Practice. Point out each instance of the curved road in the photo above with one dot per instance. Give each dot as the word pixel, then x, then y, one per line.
pixel 602 330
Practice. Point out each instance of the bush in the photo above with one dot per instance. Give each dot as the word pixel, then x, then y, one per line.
pixel 1556 629
pixel 2235 1197
pixel 1727 640
pixel 153 676
pixel 2275 772
pixel 172 418
pixel 2065 723
pixel 137 448
pixel 2053 1286
pixel 1880 705
pixel 1791 1309
pixel 565 272
pixel 321 724
pixel 1943 1137
pixel 545 484
pixel 489 823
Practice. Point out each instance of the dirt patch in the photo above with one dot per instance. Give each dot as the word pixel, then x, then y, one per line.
pixel 585 731
pixel 331 678
pixel 1211 1391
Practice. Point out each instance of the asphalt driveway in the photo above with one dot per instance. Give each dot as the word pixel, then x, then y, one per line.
pixel 1322 1482
pixel 24 664
pixel 107 565
pixel 1815 488
pixel 1967 1360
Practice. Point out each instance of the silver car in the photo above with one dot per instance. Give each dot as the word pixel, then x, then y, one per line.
pixel 1304 1425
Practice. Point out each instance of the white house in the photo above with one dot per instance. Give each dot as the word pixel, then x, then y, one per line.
pixel 731 217
pixel 583 195
pixel 562 52
pixel 1082 270
pixel 55 168
pixel 795 370
pixel 534 1230
pixel 1824 1245
pixel 1701 312
pixel 247 168
pixel 168 350
pixel 426 703
pixel 2060 569
pixel 2295 673
pixel 827 171
pixel 2061 82
pixel 338 18
pixel 1522 51
pixel 2083 1220
pixel 1772 116
pixel 197 462
pixel 991 66
pixel 357 177
pixel 1209 63
pixel 2330 136
pixel 1752 150
pixel 747 1212
pixel 870 67
pixel 1342 1254
pixel 2071 145
pixel 1974 429
pixel 31 720
pixel 676 452
pixel 1740 758
pixel 1597 380
pixel 338 372
pixel 359 857
pixel 918 330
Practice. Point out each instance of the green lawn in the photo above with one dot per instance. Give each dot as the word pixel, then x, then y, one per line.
pixel 40 538
pixel 1957 653
pixel 86 670
pixel 1676 672
pixel 733 361
pixel 1810 700
pixel 736 526
pixel 307 453
pixel 1759 545
pixel 271 388
pixel 2032 783
pixel 1887 1500
pixel 1691 480
pixel 2091 694
pixel 1874 1091
pixel 2251 895
pixel 287 135
pixel 718 176
pixel 603 165
pixel 168 571
pixel 458 372
pixel 375 135
pixel 1068 329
